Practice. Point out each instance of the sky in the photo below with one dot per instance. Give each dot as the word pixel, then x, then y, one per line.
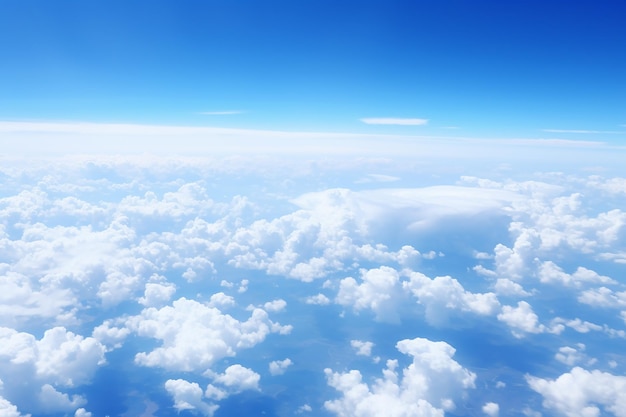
pixel 324 209
pixel 479 69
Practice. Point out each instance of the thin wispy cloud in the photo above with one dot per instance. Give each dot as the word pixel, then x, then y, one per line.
pixel 221 113
pixel 394 121
pixel 612 132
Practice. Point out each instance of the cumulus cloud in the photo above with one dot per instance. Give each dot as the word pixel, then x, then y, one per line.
pixel 9 410
pixel 379 290
pixel 443 295
pixel 188 396
pixel 522 319
pixel 570 355
pixel 275 306
pixel 582 393
pixel 238 378
pixel 427 387
pixel 491 409
pixel 279 367
pixel 156 294
pixel 549 272
pixel 362 348
pixel 60 357
pixel 319 299
pixel 195 335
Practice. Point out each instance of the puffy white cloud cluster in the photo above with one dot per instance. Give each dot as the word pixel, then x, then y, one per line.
pixel 194 335
pixel 583 393
pixel 60 359
pixel 190 396
pixel 279 367
pixel 427 387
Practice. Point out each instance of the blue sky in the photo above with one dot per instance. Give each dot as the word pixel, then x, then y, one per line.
pixel 488 68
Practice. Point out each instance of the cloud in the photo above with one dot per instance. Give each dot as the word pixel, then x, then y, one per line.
pixel 318 299
pixel 443 296
pixel 362 348
pixel 188 396
pixel 394 121
pixel 427 387
pixel 522 319
pixel 549 272
pixel 157 294
pixel 491 409
pixel 378 290
pixel 279 367
pixel 581 392
pixel 570 355
pixel 9 410
pixel 238 378
pixel 214 335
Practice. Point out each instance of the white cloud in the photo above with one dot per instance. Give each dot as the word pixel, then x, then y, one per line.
pixel 9 410
pixel 275 306
pixel 444 295
pixel 195 335
pixel 522 319
pixel 505 286
pixel 491 409
pixel 54 401
pixel 279 367
pixel 59 359
pixel 238 378
pixel 549 272
pixel 81 412
pixel 379 290
pixel 394 121
pixel 221 300
pixel 319 299
pixel 157 294
pixel 603 297
pixel 362 348
pixel 571 355
pixel 304 409
pixel 68 359
pixel 427 387
pixel 188 396
pixel 581 393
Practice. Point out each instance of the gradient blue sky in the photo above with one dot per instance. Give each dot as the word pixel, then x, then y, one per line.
pixel 485 68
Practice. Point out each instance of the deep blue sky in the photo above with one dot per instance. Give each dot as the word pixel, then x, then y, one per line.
pixel 487 68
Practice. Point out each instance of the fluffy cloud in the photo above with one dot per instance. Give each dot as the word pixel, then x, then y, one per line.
pixel 443 295
pixel 362 348
pixel 188 396
pixel 570 355
pixel 581 393
pixel 522 319
pixel 59 359
pixel 279 367
pixel 319 299
pixel 491 409
pixel 9 410
pixel 549 272
pixel 195 335
pixel 378 290
pixel 238 378
pixel 427 387
pixel 157 294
